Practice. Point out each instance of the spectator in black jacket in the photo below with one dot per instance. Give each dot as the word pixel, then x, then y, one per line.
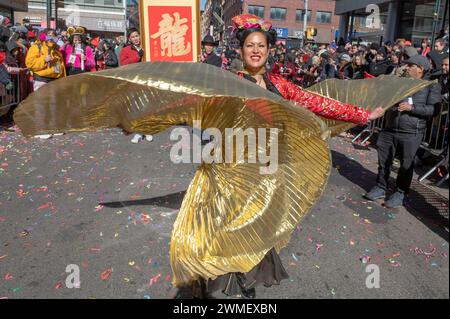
pixel 359 66
pixel 443 80
pixel 403 133
pixel 381 65
pixel 326 70
pixel 345 71
pixel 208 56
pixel 109 56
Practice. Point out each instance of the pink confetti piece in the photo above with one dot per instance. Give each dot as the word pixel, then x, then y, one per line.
pixel 427 255
pixel 154 280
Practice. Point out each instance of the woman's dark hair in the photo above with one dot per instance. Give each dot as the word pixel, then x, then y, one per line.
pixel 81 36
pixel 271 36
pixel 131 31
pixel 290 57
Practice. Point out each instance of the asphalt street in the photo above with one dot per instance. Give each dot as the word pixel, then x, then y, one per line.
pixel 51 217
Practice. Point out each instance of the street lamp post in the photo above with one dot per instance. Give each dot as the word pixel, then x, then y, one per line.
pixel 49 13
pixel 305 22
pixel 125 18
pixel 435 21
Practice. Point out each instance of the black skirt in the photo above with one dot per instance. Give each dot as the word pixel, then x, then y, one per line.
pixel 268 272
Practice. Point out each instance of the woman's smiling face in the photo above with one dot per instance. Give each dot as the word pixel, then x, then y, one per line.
pixel 255 51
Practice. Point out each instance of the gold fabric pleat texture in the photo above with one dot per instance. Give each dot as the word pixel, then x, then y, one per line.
pixel 231 215
pixel 383 91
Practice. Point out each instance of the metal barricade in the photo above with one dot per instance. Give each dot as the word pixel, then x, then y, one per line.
pixel 435 139
pixel 10 97
pixel 370 129
pixel 436 142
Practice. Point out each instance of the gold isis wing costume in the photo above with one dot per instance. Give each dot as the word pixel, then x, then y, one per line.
pixel 231 215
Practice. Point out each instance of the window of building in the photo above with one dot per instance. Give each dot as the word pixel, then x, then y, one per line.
pixel 300 15
pixel 256 10
pixel 278 13
pixel 323 17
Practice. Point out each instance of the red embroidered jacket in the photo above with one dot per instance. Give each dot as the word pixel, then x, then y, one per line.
pixel 317 104
pixel 326 107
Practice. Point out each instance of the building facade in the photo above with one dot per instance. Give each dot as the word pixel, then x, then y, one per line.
pixel 382 20
pixel 8 7
pixel 287 17
pixel 212 22
pixel 100 17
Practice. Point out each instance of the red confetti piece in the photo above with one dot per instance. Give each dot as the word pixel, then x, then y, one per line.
pixel 8 276
pixel 45 206
pixel 106 273
pixel 154 280
pixel 135 196
pixel 58 285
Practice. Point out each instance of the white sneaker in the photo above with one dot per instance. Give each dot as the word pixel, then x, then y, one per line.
pixel 149 138
pixel 43 136
pixel 137 138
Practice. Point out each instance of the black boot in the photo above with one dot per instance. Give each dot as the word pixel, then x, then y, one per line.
pixel 200 290
pixel 249 293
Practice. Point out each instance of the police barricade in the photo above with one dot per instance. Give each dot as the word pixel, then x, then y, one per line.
pixel 435 139
pixel 12 94
pixel 370 129
pixel 436 142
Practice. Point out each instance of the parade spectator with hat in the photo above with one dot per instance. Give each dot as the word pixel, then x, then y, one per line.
pixel 381 65
pixel 46 64
pixel 78 55
pixel 403 133
pixel 208 56
pixel 345 71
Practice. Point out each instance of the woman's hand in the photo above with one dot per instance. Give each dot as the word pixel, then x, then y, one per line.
pixel 377 113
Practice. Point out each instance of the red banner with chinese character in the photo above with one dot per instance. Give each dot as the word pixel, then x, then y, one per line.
pixel 170 31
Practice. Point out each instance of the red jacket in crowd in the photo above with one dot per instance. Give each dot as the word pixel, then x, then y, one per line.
pixel 129 55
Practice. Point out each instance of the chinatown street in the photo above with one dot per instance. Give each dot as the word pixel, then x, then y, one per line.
pixel 106 206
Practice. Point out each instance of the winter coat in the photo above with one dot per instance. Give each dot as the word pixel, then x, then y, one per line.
pixel 89 63
pixel 130 54
pixel 426 102
pixel 35 61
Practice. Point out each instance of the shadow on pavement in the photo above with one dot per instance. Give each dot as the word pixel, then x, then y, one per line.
pixel 170 201
pixel 416 204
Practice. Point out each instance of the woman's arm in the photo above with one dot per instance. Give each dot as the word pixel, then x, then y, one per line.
pixel 321 105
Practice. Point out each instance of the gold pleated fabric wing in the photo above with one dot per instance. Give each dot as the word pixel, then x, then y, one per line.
pixel 232 215
pixel 383 91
